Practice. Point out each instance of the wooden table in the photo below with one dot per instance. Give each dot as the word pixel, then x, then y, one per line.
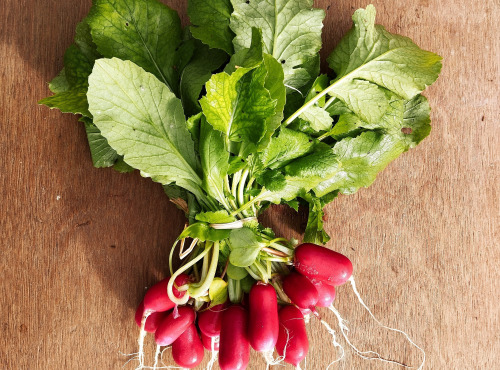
pixel 79 245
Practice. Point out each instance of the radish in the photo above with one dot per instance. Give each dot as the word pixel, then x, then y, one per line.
pixel 300 290
pixel 323 264
pixel 292 338
pixel 152 321
pixel 207 342
pixel 209 321
pixel 263 317
pixel 156 298
pixel 187 350
pixel 326 293
pixel 173 326
pixel 234 346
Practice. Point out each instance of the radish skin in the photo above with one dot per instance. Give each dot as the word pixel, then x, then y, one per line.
pixel 234 346
pixel 292 338
pixel 209 321
pixel 156 298
pixel 263 325
pixel 326 293
pixel 187 350
pixel 152 321
pixel 300 290
pixel 321 263
pixel 172 326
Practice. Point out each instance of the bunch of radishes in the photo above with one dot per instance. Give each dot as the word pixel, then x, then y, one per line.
pixel 268 318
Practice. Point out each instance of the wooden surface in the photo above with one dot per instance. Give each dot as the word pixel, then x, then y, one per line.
pixel 79 245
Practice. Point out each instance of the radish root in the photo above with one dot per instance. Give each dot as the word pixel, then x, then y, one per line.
pixel 335 343
pixel 140 341
pixel 213 354
pixel 367 355
pixel 355 290
pixel 157 356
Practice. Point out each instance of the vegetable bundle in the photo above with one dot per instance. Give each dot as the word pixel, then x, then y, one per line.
pixel 231 114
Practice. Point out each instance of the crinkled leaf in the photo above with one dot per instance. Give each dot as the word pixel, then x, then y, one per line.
pixel 235 272
pixel 72 101
pixel 361 159
pixel 145 32
pixel 370 59
pixel 394 62
pixel 217 292
pixel 244 247
pixel 238 106
pixel 291 32
pixel 210 21
pixel 144 121
pixel 300 176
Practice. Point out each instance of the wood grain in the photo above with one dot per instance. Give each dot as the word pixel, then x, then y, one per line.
pixel 79 245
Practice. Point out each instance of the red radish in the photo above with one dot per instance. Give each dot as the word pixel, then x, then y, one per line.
pixel 326 293
pixel 209 320
pixel 323 264
pixel 234 346
pixel 207 342
pixel 187 350
pixel 156 298
pixel 173 326
pixel 292 335
pixel 300 290
pixel 152 321
pixel 263 317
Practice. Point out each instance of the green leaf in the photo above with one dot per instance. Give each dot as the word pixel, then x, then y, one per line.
pixel 370 58
pixel 145 32
pixel 210 21
pixel 314 232
pixel 59 84
pixel 72 101
pixel 102 154
pixel 247 283
pixel 238 106
pixel 215 217
pixel 288 145
pixel 274 83
pixel 217 292
pixel 196 73
pixel 214 162
pixel 318 118
pixel 361 159
pixel 235 272
pixel 244 247
pixel 247 58
pixel 300 176
pixel 394 62
pixel 143 121
pixel 122 167
pixel 204 232
pixel 291 32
